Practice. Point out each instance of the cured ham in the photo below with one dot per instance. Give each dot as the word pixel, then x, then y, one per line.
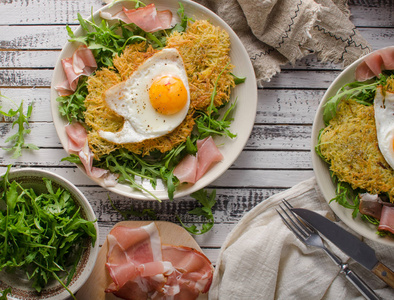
pixel 128 248
pixel 78 142
pixel 81 63
pixel 208 154
pixel 387 219
pixel 142 268
pixel 375 63
pixel 194 270
pixel 186 170
pixel 147 18
pixel 192 168
pixel 370 205
pixel 76 136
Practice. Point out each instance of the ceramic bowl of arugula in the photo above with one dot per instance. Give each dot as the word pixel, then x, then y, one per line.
pixel 344 86
pixel 243 114
pixel 48 236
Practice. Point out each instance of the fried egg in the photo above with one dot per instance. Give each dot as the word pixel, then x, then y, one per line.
pixel 384 119
pixel 153 101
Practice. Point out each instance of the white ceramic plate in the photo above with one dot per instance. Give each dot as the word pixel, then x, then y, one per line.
pixel 321 169
pixel 21 287
pixel 244 113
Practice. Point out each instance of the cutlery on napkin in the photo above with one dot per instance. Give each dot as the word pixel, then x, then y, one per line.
pixel 348 243
pixel 262 259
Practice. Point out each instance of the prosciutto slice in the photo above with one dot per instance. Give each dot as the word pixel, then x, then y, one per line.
pixel 148 18
pixel 370 205
pixel 81 63
pixel 193 270
pixel 375 63
pixel 128 248
pixel 142 268
pixel 192 168
pixel 78 142
pixel 387 219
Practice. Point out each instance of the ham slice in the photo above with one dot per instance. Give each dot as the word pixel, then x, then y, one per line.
pixel 186 170
pixel 78 142
pixel 387 219
pixel 142 268
pixel 194 270
pixel 76 136
pixel 208 154
pixel 192 168
pixel 128 248
pixel 370 205
pixel 148 18
pixel 81 63
pixel 375 63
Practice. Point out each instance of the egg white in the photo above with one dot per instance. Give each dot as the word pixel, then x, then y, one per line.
pixel 384 119
pixel 130 99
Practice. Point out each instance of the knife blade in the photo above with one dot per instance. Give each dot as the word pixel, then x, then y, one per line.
pixel 348 243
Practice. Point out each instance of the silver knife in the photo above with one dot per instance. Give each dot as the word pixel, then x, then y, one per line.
pixel 348 243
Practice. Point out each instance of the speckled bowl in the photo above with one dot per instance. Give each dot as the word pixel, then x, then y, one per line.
pixel 21 288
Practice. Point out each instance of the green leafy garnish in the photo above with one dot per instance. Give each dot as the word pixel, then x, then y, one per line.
pixel 72 107
pixel 238 80
pixel 362 92
pixel 207 201
pixel 5 293
pixel 21 120
pixel 41 232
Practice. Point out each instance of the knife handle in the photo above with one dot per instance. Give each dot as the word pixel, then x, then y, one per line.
pixel 384 273
pixel 364 289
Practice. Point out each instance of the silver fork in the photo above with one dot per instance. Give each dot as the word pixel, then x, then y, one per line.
pixel 309 236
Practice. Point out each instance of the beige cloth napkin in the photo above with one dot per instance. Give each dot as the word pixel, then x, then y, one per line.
pixel 275 32
pixel 262 259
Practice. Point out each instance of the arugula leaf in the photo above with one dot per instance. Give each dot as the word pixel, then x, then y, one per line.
pixel 5 293
pixel 207 201
pixel 43 234
pixel 362 92
pixel 72 107
pixel 237 79
pixel 73 158
pixel 21 120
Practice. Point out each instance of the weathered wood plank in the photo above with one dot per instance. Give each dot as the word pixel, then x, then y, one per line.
pixel 231 178
pixel 46 59
pixel 54 37
pixel 313 79
pixel 21 12
pixel 246 160
pixel 263 137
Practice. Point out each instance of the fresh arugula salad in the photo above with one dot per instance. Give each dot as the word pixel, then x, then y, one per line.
pixel 363 93
pixel 41 233
pixel 109 39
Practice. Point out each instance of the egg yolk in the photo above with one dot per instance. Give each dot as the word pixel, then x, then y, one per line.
pixel 168 95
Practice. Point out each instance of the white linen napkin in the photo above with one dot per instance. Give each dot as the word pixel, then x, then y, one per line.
pixel 262 259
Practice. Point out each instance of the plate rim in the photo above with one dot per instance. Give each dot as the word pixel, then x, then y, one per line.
pixel 252 101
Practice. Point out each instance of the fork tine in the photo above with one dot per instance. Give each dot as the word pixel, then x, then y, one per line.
pixel 305 227
pixel 302 238
pixel 291 218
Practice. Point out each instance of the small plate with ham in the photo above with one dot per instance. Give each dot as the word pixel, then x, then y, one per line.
pixel 362 70
pixel 197 173
pixel 150 260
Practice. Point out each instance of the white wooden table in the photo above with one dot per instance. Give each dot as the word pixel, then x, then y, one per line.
pixel 276 157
